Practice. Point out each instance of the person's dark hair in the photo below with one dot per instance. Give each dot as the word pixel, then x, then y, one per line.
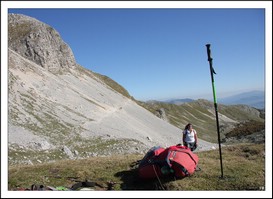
pixel 187 126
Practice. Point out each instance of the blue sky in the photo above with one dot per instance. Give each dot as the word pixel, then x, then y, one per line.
pixel 160 53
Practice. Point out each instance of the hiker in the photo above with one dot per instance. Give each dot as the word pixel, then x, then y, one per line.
pixel 189 137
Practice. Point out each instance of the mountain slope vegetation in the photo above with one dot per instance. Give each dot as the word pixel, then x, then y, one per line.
pixel 201 114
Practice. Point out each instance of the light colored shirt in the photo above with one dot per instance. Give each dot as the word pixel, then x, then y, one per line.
pixel 189 135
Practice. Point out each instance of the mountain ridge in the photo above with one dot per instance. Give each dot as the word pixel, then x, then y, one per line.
pixel 255 98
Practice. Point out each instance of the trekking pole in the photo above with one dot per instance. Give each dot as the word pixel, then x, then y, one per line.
pixel 215 103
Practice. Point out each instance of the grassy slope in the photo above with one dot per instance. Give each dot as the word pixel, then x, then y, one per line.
pixel 243 168
pixel 197 113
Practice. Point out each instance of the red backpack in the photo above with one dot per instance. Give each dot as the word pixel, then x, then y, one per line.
pixel 177 160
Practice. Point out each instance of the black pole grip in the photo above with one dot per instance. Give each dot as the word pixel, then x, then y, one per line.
pixel 208 52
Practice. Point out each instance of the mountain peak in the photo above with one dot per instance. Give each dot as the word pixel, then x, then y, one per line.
pixel 39 43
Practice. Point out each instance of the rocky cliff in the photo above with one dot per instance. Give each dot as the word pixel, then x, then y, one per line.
pixel 39 43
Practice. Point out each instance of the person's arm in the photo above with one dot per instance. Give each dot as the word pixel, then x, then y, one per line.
pixel 183 137
pixel 195 137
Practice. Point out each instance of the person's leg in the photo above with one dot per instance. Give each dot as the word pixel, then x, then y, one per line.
pixel 193 146
pixel 188 145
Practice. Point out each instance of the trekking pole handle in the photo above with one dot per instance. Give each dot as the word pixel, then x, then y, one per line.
pixel 208 52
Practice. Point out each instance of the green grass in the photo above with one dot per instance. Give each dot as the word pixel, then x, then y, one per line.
pixel 246 129
pixel 113 84
pixel 243 169
pixel 197 113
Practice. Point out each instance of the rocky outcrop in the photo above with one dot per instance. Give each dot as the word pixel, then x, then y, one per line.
pixel 161 114
pixel 40 43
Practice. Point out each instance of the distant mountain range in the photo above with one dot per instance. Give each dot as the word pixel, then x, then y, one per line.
pixel 254 99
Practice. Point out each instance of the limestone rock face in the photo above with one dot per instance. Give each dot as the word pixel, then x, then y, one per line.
pixel 40 43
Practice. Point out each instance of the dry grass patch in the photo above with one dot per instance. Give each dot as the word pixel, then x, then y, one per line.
pixel 243 169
